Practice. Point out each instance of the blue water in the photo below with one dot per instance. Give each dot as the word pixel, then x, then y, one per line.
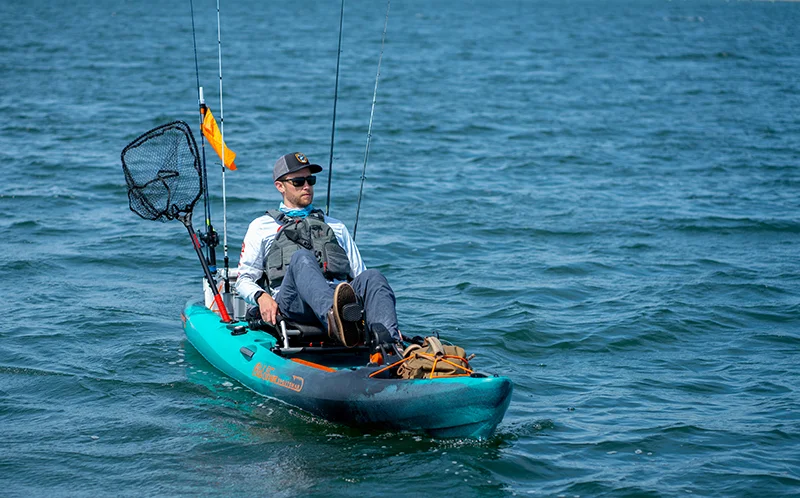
pixel 599 199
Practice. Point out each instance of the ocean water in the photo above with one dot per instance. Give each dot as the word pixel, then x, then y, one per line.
pixel 599 199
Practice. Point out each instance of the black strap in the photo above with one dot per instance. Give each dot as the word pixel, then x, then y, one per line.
pixel 300 237
pixel 278 216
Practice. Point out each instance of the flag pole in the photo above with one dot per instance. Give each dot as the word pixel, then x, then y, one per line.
pixel 210 239
pixel 222 133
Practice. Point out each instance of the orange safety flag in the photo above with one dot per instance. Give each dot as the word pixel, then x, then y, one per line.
pixel 214 137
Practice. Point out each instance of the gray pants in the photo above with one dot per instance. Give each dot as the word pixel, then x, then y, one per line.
pixel 305 296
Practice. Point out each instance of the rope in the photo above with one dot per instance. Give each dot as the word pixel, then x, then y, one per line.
pixel 435 359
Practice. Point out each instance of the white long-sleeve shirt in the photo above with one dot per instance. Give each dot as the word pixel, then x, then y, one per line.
pixel 259 237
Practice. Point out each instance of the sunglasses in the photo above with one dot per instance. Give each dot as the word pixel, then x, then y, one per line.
pixel 301 180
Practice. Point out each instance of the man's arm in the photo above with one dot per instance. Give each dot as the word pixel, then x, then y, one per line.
pixel 251 260
pixel 349 246
pixel 251 268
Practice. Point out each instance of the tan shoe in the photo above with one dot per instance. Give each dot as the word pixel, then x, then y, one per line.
pixel 343 317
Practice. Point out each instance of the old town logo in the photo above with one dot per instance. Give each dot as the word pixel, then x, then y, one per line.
pixel 265 373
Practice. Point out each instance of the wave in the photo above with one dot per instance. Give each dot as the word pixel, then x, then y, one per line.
pixel 701 56
pixel 731 224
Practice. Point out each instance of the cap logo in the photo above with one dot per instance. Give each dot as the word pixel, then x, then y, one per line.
pixel 301 158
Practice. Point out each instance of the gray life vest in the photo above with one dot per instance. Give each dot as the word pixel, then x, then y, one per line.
pixel 310 233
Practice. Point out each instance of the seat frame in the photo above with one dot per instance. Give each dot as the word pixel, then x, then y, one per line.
pixel 289 335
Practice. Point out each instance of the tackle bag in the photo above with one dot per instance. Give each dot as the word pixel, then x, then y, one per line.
pixel 433 359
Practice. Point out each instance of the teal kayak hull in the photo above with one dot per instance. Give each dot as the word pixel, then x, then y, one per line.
pixel 455 407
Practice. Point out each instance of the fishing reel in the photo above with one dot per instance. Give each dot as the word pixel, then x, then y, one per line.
pixel 210 238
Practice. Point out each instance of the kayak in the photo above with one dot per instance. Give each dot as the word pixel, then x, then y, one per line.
pixel 343 388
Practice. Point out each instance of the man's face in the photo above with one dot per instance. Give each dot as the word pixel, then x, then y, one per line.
pixel 296 197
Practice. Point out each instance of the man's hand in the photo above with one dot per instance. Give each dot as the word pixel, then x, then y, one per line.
pixel 268 308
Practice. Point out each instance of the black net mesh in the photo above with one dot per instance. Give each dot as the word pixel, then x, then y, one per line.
pixel 163 172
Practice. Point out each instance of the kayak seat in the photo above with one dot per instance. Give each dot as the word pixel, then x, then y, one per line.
pixel 305 330
pixel 293 338
pixel 303 337
pixel 295 329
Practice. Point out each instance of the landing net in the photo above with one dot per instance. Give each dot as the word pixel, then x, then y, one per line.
pixel 163 172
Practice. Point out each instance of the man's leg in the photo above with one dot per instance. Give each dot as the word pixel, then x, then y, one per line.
pixel 305 295
pixel 379 302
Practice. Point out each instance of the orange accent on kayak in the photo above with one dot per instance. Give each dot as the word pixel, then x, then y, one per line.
pixel 313 365
pixel 376 358
pixel 265 372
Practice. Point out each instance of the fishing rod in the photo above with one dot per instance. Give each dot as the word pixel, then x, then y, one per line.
pixel 333 124
pixel 371 115
pixel 210 238
pixel 222 132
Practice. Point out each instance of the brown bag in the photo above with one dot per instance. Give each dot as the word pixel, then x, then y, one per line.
pixel 433 359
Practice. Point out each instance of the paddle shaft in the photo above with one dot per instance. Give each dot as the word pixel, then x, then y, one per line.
pixel 187 222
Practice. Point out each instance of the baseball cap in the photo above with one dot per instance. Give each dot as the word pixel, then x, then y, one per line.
pixel 293 162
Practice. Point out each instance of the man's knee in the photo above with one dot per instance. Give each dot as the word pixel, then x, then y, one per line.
pixel 373 276
pixel 371 273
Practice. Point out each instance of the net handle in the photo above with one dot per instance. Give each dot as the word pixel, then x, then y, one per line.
pixel 186 219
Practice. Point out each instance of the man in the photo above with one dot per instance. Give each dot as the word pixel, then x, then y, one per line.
pixel 305 259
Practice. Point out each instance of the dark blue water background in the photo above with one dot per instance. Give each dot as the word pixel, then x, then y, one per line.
pixel 600 199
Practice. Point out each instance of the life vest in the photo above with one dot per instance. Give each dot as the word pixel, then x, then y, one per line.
pixel 310 233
